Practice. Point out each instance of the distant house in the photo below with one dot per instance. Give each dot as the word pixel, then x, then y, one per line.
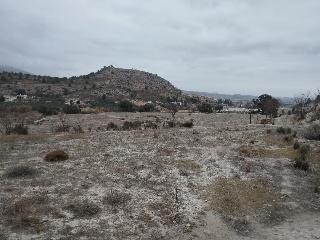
pixel 22 96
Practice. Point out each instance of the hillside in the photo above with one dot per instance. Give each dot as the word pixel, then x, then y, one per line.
pixel 11 69
pixel 115 83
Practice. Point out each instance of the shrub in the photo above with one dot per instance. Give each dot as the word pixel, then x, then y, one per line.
pixel 188 124
pixel 149 107
pixel 131 125
pixel 77 129
pixel 205 108
pixel 117 198
pixel 126 106
pixel 313 132
pixel 296 145
pixel 151 125
pixel 47 111
pixel 304 151
pixel 20 129
pixel 315 116
pixel 71 109
pixel 268 131
pixel 301 164
pixel 283 130
pixel 287 138
pixel 84 209
pixel 19 171
pixel 56 155
pixel 112 126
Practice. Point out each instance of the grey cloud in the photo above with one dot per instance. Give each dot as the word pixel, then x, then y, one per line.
pixel 214 45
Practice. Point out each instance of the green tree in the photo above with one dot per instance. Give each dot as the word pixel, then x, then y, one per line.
pixel 267 104
pixel 70 109
pixel 149 107
pixel 205 108
pixel 66 91
pixel 126 106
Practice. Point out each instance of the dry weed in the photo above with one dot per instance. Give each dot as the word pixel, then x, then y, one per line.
pixel 274 140
pixel 187 165
pixel 24 138
pixel 56 155
pixel 235 196
pixel 248 151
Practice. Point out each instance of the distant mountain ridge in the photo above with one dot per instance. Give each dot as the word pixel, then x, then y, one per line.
pixel 5 68
pixel 284 100
pixel 224 96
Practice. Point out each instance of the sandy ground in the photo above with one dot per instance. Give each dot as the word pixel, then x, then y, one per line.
pixel 155 184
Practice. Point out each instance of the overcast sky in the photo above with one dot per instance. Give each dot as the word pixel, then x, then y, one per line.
pixel 223 46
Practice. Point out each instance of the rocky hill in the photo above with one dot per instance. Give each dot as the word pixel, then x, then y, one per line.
pixel 114 83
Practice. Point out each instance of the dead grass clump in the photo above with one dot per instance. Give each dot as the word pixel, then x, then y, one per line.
pixel 24 212
pixel 235 196
pixel 21 138
pixel 83 209
pixel 187 165
pixel 165 151
pixel 20 171
pixel 116 198
pixel 56 155
pixel 248 151
pixel 26 221
pixel 167 210
pixel 241 225
pixel 274 140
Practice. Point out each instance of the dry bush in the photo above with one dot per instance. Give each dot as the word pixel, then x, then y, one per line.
pixel 313 132
pixel 235 196
pixel 56 155
pixel 315 116
pixel 19 171
pixel 248 151
pixel 83 209
pixel 23 213
pixel 115 198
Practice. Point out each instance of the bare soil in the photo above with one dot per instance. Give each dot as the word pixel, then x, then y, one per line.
pixel 222 179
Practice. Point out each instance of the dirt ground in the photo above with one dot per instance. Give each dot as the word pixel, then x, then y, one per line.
pixel 221 179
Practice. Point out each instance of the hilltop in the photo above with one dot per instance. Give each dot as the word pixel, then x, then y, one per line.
pixel 114 83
